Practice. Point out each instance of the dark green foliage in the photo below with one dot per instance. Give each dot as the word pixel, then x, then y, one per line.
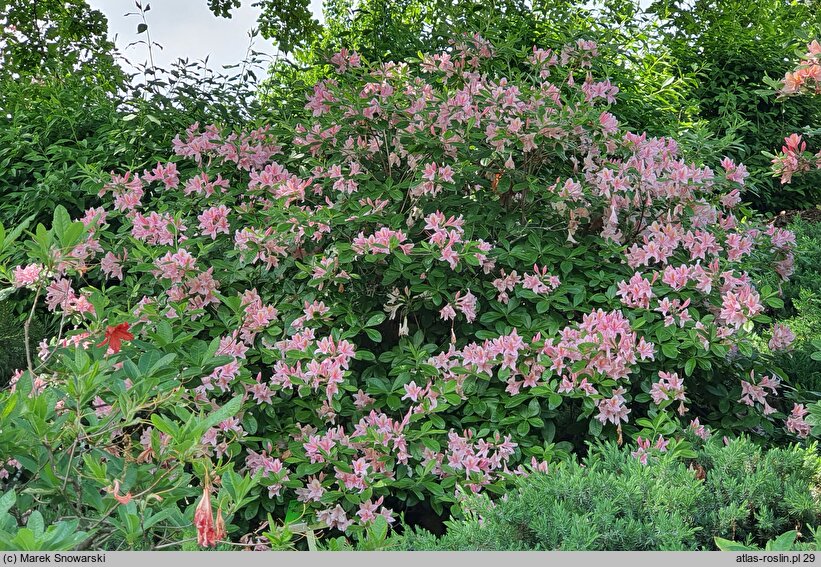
pixel 802 296
pixel 731 46
pixel 63 129
pixel 48 36
pixel 807 276
pixel 612 502
pixel 12 343
pixel 756 494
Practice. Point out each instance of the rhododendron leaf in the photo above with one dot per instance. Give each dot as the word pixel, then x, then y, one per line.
pixel 775 302
pixel 305 469
pixel 689 366
pixel 670 350
pixel 727 545
pixel 365 355
pixel 165 425
pixel 7 501
pixel 131 370
pixel 229 409
pixel 60 221
pixel 594 428
pixel 375 320
pixel 249 423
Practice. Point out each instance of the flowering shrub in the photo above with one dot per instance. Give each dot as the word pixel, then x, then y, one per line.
pixel 442 275
pixel 794 158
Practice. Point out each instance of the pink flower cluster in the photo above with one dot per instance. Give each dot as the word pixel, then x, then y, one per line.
pixel 28 275
pixel 782 337
pixel 157 228
pixel 796 423
pixel 637 292
pixel 380 242
pixel 59 293
pixel 752 393
pixel 670 387
pixel 643 451
pixel 805 79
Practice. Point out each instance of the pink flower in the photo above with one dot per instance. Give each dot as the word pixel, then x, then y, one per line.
pixel 110 265
pixel 670 387
pixel 167 174
pixel 60 294
pixel 466 304
pixel 447 313
pixel 637 292
pixel 613 409
pixel 312 492
pixel 699 429
pixel 796 423
pixel 335 518
pixel 214 220
pixel 782 337
pixel 28 275
pixel 412 392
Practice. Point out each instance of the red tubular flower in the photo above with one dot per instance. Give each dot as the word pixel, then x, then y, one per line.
pixel 204 520
pixel 114 335
pixel 209 532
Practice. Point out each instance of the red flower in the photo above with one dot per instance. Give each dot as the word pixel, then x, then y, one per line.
pixel 209 532
pixel 116 334
pixel 115 491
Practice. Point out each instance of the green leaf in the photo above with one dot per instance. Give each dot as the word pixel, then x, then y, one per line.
pixel 379 528
pixel 594 427
pixel 230 409
pixel 727 545
pixel 36 524
pixel 784 542
pixel 669 350
pixel 375 320
pixel 7 501
pixel 60 222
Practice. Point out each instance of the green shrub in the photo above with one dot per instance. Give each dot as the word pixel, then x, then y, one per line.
pixel 613 502
pixel 750 492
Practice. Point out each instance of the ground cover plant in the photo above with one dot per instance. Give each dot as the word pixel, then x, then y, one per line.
pixel 453 272
pixel 614 500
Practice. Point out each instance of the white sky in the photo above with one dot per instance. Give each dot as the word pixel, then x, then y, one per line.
pixel 186 28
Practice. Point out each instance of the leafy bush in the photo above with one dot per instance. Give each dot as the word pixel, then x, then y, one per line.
pixel 62 134
pixel 795 158
pixel 799 364
pixel 613 502
pixel 733 47
pixel 807 276
pixel 455 270
pixel 35 536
